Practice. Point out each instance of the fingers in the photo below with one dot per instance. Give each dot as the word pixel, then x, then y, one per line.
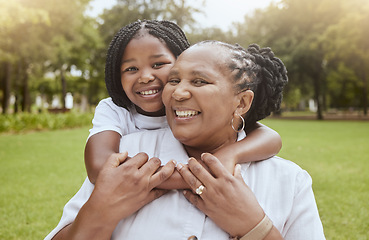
pixel 163 174
pixel 154 194
pixel 196 176
pixel 195 200
pixel 116 159
pixel 214 165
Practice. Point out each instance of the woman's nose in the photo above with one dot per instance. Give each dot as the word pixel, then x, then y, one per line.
pixel 181 93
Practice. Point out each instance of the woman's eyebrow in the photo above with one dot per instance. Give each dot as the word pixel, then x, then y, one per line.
pixel 173 72
pixel 199 74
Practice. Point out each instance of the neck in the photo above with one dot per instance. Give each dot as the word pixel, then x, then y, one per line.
pixel 196 151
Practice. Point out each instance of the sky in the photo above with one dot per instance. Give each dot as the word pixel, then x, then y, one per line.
pixel 218 13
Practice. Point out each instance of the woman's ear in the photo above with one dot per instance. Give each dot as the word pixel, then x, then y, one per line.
pixel 245 100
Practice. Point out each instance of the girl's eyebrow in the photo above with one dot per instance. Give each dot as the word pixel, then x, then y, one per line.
pixel 153 56
pixel 158 55
pixel 128 60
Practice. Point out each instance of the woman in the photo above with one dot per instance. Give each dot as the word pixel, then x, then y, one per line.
pixel 210 88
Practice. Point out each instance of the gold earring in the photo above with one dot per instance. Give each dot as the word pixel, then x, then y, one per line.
pixel 243 124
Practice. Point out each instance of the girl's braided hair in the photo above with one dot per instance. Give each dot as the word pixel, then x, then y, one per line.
pixel 166 31
pixel 256 69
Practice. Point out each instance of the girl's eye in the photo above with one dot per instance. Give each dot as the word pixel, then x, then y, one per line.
pixel 158 65
pixel 200 82
pixel 174 81
pixel 130 69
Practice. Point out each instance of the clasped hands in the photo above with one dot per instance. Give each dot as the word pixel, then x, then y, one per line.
pixel 125 185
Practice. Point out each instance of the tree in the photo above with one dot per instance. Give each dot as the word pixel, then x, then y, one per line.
pixel 15 21
pixel 294 29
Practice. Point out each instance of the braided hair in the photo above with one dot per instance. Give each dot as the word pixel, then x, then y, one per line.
pixel 256 69
pixel 166 31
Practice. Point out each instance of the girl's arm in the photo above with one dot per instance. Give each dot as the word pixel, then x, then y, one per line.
pixel 99 148
pixel 261 143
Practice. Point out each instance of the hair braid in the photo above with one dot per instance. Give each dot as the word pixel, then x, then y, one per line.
pixel 259 70
pixel 168 32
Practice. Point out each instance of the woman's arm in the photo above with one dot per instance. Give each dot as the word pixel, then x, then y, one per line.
pixel 261 143
pixel 122 188
pixel 225 198
pixel 98 148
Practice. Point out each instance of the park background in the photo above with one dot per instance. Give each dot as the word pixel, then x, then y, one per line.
pixel 52 59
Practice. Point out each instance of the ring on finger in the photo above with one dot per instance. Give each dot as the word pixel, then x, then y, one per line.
pixel 200 189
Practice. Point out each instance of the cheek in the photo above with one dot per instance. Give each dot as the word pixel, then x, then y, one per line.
pixel 167 95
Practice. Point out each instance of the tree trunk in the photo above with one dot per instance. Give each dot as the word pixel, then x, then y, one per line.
pixel 317 97
pixel 26 101
pixel 365 93
pixel 6 89
pixel 64 86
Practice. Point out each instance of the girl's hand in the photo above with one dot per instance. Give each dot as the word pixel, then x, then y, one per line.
pixel 225 198
pixel 125 185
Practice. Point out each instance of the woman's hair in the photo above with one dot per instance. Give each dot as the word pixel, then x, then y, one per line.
pixel 168 32
pixel 256 69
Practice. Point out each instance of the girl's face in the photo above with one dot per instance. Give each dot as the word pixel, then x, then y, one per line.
pixel 146 63
pixel 200 100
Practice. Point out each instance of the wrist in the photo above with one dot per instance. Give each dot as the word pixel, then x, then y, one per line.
pixel 259 232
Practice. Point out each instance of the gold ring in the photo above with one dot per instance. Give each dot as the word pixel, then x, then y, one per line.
pixel 200 189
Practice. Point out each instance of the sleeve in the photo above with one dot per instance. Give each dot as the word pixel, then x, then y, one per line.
pixel 72 208
pixel 108 116
pixel 304 222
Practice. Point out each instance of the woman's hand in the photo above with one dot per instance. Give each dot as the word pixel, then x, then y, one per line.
pixel 126 185
pixel 123 186
pixel 226 199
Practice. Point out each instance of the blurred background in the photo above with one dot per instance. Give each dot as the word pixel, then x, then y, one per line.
pixel 52 60
pixel 52 53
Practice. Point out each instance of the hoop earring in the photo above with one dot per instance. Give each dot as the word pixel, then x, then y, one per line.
pixel 243 124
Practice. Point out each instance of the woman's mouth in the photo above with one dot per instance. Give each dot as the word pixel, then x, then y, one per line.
pixel 186 113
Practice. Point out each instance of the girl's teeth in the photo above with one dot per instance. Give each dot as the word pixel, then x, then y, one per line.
pixel 186 113
pixel 149 92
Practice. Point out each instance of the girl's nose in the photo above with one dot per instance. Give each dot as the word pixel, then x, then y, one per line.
pixel 146 77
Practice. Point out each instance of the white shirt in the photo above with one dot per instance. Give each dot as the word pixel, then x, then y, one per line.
pixel 109 116
pixel 281 187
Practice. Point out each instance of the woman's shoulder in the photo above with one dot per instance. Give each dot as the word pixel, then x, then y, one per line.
pixel 279 168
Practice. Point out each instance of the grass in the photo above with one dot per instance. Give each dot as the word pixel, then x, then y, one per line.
pixel 40 171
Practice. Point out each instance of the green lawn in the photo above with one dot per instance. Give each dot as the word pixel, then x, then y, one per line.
pixel 40 171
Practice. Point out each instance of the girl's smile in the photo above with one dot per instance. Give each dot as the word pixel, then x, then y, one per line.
pixel 146 63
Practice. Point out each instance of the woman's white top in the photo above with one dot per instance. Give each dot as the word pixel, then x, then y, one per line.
pixel 109 116
pixel 281 187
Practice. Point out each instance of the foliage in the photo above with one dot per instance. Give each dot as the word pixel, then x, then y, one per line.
pixel 324 44
pixel 42 170
pixel 23 122
pixel 313 38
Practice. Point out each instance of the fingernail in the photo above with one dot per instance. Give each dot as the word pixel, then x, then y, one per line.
pixel 179 166
pixel 174 162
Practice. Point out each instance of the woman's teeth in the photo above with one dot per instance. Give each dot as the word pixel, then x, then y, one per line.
pixel 186 113
pixel 149 92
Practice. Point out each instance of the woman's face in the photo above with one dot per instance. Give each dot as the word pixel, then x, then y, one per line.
pixel 146 63
pixel 199 99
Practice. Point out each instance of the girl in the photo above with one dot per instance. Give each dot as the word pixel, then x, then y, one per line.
pixel 139 59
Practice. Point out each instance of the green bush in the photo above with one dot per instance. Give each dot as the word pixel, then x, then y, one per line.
pixel 43 121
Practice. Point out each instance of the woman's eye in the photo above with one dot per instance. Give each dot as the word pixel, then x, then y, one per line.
pixel 200 82
pixel 173 81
